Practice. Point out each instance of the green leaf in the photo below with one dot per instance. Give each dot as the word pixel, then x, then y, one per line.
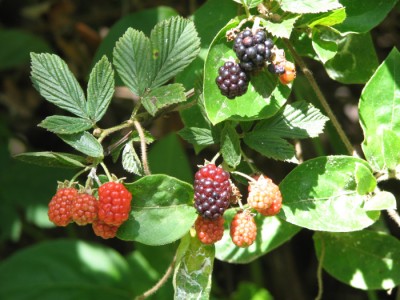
pixel 198 136
pixel 380 201
pixel 321 194
pixel 325 43
pixel 175 45
pixel 271 233
pixel 55 267
pixel 52 159
pixel 100 89
pixel 65 124
pixel 249 3
pixel 163 96
pixel 167 156
pixel 264 93
pixel 282 29
pixel 132 60
pixel 162 210
pixel 19 44
pixel 365 180
pixel 193 270
pixel 84 142
pixel 322 19
pixel 251 291
pixel 379 109
pixel 230 145
pixel 365 259
pixel 270 146
pixel 355 61
pixel 297 120
pixel 363 15
pixel 56 83
pixel 309 6
pixel 131 161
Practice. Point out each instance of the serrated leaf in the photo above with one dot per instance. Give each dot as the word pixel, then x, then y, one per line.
pixel 162 211
pixel 379 109
pixel 57 266
pixel 309 6
pixel 363 15
pixel 270 146
pixel 131 161
pixel 132 60
pixel 321 194
pixel 325 43
pixel 282 29
pixel 322 19
pixel 175 44
pixel 264 93
pixel 56 83
pixel 297 120
pixel 249 3
pixel 346 254
pixel 100 89
pixel 193 270
pixel 163 96
pixel 65 124
pixel 380 201
pixel 198 136
pixel 355 61
pixel 84 142
pixel 52 159
pixel 271 233
pixel 230 145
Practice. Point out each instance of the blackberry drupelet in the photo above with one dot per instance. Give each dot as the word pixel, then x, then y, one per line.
pixel 253 50
pixel 232 80
pixel 212 191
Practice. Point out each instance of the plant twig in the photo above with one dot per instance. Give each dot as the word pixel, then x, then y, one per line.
pixel 319 272
pixel 320 96
pixel 143 147
pixel 394 215
pixel 160 283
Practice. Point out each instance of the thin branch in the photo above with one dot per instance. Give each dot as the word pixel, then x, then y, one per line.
pixel 160 283
pixel 320 97
pixel 319 272
pixel 394 215
pixel 143 147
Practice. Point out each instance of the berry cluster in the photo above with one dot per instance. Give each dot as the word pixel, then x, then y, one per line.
pixel 254 51
pixel 214 192
pixel 105 214
pixel 232 81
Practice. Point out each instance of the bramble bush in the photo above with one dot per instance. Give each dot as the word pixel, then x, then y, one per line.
pixel 236 73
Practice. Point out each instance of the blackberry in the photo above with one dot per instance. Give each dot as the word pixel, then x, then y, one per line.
pixel 276 69
pixel 231 80
pixel 253 50
pixel 212 191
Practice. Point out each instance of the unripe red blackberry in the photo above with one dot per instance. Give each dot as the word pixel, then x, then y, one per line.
pixel 243 229
pixel 232 80
pixel 265 196
pixel 84 209
pixel 209 231
pixel 212 191
pixel 253 50
pixel 104 230
pixel 60 206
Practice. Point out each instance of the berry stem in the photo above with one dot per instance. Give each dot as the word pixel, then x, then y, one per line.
pixel 93 175
pixel 246 9
pixel 143 147
pixel 77 175
pixel 110 130
pixel 214 159
pixel 306 71
pixel 160 283
pixel 244 175
pixel 106 171
pixel 319 272
pixel 249 162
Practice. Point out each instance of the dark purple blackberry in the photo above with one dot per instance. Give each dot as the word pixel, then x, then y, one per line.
pixel 212 191
pixel 276 69
pixel 232 80
pixel 253 50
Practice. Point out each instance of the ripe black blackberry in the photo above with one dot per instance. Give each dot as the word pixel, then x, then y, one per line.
pixel 212 191
pixel 276 69
pixel 253 50
pixel 231 80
